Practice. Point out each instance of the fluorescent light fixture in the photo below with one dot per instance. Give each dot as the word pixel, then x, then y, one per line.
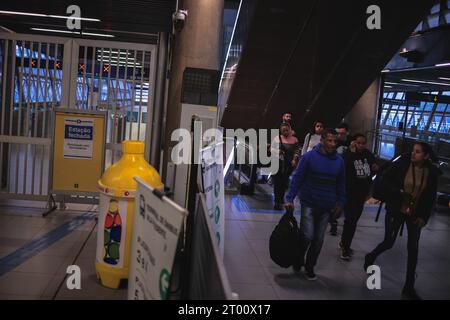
pixel 442 78
pixel 116 52
pixel 417 81
pixel 391 82
pixel 75 32
pixel 427 82
pixel 388 86
pixel 442 64
pixel 385 70
pixel 46 15
pixel 116 57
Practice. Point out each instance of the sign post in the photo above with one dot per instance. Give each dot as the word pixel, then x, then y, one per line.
pixel 156 228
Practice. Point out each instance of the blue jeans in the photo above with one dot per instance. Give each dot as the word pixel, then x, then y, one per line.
pixel 313 225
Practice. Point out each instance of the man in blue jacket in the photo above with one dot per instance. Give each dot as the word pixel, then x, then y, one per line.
pixel 319 181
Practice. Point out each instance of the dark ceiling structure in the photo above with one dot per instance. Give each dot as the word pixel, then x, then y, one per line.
pixel 126 20
pixel 314 58
pixel 422 79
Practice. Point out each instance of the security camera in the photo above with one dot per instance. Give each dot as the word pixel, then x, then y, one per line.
pixel 178 19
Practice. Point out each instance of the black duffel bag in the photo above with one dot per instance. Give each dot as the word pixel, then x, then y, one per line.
pixel 284 241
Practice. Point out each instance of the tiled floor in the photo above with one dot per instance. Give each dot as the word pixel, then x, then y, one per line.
pixel 251 272
pixel 43 276
pixel 253 275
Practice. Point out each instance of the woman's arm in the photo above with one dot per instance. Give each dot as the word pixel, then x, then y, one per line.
pixel 306 143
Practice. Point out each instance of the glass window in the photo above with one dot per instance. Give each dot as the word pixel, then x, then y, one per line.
pixel 445 127
pixel 435 123
pixel 441 107
pixel 400 95
pixel 387 150
pixel 390 95
pixel 429 106
pixel 423 122
pixel 390 119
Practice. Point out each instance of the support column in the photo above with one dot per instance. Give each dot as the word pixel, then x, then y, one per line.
pixel 363 116
pixel 197 45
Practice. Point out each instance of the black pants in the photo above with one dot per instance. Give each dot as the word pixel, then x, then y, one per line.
pixel 353 210
pixel 392 226
pixel 281 181
pixel 280 184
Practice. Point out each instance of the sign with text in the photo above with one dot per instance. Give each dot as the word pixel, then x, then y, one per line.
pixel 78 150
pixel 213 188
pixel 156 228
pixel 78 137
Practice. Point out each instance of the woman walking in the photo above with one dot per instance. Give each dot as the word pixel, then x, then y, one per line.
pixel 288 155
pixel 410 187
pixel 313 137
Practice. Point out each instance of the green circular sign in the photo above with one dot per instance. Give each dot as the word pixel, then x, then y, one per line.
pixel 217 215
pixel 164 279
pixel 216 188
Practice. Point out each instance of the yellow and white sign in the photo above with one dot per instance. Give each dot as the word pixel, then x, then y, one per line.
pixel 78 150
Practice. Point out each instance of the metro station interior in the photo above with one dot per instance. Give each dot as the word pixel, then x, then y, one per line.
pixel 136 71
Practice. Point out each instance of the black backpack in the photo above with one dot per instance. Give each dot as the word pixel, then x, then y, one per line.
pixel 285 241
pixel 378 186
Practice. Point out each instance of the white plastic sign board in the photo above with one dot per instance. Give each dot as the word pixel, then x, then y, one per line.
pixel 156 227
pixel 213 188
pixel 78 138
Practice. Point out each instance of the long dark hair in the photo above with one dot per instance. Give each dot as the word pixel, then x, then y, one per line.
pixel 427 150
pixel 313 129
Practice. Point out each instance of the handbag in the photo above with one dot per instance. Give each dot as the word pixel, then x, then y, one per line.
pixel 284 241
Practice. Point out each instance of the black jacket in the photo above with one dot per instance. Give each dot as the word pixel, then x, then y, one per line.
pixel 393 181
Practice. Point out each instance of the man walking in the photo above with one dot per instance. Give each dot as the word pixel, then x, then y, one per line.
pixel 319 180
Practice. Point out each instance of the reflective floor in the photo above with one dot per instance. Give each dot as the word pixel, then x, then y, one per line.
pixel 35 253
pixel 253 275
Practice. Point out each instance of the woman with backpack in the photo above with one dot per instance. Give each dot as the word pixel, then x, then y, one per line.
pixel 409 189
pixel 288 152
pixel 313 137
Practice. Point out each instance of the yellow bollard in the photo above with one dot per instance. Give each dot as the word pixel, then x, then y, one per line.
pixel 115 219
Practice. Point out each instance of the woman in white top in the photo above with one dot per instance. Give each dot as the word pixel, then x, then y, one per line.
pixel 313 137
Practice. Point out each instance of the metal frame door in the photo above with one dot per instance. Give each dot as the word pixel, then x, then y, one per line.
pixel 39 74
pixel 117 77
pixel 32 83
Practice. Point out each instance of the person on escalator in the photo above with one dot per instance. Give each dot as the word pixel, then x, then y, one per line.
pixel 287 147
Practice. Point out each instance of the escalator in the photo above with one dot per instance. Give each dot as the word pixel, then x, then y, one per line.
pixel 314 58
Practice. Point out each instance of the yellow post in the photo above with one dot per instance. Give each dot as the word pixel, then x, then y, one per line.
pixel 115 220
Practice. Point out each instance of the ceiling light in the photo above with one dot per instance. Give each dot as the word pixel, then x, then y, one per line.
pixel 116 52
pixel 442 64
pixel 385 70
pixel 75 32
pixel 442 78
pixel 46 15
pixel 388 86
pixel 427 82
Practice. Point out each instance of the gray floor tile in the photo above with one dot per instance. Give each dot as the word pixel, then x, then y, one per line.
pixel 254 291
pixel 20 283
pixel 247 275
